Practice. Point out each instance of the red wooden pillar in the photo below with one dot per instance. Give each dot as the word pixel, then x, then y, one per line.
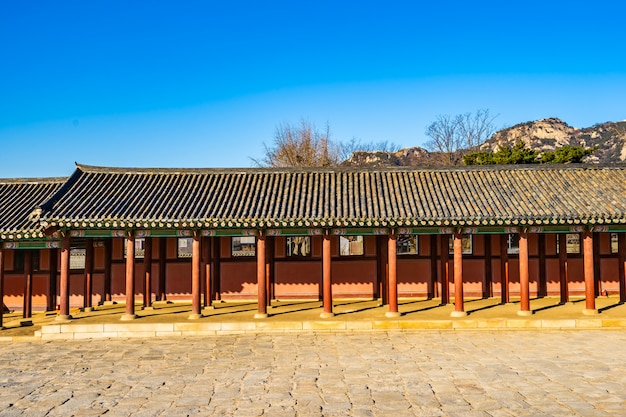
pixel 147 273
pixel 445 270
pixel 504 269
pixel 261 278
pixel 590 290
pixel 206 263
pixel 392 250
pixel 162 269
pixel 27 311
pixel 621 247
pixel 459 310
pixel 130 278
pixel 52 279
pixel 88 275
pixel 564 288
pixel 327 278
pixel 64 285
pixel 196 288
pixel 523 276
pixel 108 249
pixel 1 287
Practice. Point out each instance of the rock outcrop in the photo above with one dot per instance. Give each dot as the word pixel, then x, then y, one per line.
pixel 541 135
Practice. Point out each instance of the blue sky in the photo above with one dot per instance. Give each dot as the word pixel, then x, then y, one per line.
pixel 206 83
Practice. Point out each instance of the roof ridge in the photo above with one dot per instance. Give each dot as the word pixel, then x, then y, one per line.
pixel 244 170
pixel 33 180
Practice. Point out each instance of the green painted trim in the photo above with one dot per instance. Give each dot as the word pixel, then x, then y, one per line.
pixel 38 244
pixel 294 232
pixel 230 232
pixel 359 231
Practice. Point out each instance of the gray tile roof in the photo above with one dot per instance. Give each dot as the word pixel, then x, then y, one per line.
pixel 19 200
pixel 99 197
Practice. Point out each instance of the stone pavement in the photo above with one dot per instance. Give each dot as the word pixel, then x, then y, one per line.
pixel 385 373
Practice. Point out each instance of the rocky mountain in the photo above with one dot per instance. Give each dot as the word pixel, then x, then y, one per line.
pixel 404 157
pixel 541 135
pixel 548 134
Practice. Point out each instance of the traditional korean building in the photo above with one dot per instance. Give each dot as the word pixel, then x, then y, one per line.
pixel 210 234
pixel 28 266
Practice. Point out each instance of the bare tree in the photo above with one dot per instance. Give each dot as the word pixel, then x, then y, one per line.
pixel 346 149
pixel 300 146
pixel 453 136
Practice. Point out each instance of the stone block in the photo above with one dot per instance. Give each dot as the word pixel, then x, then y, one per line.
pixel 426 324
pixel 138 327
pixel 324 325
pixel 50 329
pixel 57 336
pixel 464 324
pixel 197 327
pixel 385 325
pixel 588 323
pixel 558 324
pixel 523 324
pixel 239 326
pixel 82 328
pixel 359 325
pixel 491 324
pixel 278 325
pixel 613 323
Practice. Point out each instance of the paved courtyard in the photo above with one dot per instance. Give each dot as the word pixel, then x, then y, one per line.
pixel 425 373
